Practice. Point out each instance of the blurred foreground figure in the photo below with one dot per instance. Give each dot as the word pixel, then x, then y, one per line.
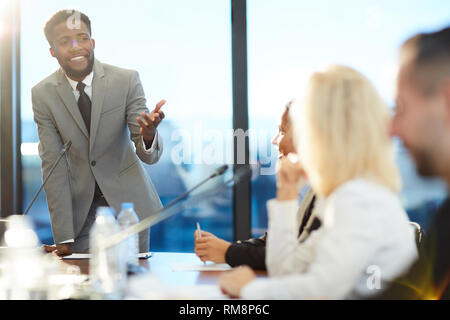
pixel 422 122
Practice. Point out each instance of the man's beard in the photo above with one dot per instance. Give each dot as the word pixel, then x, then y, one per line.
pixel 424 165
pixel 82 73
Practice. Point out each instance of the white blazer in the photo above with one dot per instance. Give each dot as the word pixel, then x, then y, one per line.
pixel 365 242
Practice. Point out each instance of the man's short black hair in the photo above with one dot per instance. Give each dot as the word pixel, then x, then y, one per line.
pixel 431 57
pixel 69 16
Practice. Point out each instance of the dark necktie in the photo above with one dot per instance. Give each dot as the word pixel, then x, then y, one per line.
pixel 84 103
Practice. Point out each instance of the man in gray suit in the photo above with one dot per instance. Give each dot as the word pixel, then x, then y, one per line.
pixel 101 109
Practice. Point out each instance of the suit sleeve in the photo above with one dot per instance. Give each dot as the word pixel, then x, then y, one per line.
pixel 57 188
pixel 251 252
pixel 136 104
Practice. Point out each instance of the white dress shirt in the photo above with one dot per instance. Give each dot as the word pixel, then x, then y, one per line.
pixel 364 242
pixel 88 90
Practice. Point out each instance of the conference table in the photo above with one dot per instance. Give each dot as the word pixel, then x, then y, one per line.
pixel 173 270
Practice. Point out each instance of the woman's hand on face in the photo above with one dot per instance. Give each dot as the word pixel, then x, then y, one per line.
pixel 208 247
pixel 290 175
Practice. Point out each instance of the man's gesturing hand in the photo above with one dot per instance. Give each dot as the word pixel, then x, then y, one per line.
pixel 149 122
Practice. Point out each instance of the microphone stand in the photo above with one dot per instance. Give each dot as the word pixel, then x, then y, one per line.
pixel 63 151
pixel 171 209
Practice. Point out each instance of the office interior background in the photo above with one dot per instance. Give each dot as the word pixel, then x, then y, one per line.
pixel 221 65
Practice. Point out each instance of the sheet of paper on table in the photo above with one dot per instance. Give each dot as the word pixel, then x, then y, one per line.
pixel 149 286
pixel 200 266
pixel 81 256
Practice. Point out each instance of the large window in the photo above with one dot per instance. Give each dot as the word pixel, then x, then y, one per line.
pixel 182 50
pixel 288 39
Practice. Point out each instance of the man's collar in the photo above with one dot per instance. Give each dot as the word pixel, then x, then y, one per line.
pixel 87 80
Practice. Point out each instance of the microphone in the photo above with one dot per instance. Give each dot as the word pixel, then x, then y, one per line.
pixel 62 152
pixel 219 171
pixel 174 206
pixel 216 173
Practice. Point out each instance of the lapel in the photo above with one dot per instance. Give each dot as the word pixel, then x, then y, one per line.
pixel 65 92
pixel 304 205
pixel 98 95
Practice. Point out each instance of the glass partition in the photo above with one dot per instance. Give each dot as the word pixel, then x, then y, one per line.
pixel 288 39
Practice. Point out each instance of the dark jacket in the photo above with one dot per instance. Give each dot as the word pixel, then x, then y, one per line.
pixel 429 276
pixel 252 252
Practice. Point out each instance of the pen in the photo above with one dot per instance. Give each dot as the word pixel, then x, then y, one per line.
pixel 199 231
pixel 200 235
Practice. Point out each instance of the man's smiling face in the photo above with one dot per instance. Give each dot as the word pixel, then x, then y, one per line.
pixel 74 50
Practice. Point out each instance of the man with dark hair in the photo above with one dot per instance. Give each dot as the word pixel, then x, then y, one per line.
pixel 61 43
pixel 70 17
pixel 422 122
pixel 92 104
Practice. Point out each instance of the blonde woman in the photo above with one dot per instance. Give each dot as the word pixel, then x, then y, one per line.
pixel 252 252
pixel 341 135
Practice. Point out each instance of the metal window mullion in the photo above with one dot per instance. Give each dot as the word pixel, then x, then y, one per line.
pixel 11 184
pixel 242 191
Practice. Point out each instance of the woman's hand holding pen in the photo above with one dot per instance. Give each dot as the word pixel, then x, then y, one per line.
pixel 210 248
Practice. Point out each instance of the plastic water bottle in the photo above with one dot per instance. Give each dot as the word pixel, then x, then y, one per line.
pixel 128 217
pixel 23 273
pixel 107 268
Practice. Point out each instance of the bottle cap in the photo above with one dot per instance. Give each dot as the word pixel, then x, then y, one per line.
pixel 127 205
pixel 105 211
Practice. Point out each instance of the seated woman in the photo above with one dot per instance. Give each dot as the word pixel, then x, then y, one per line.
pixel 341 135
pixel 252 252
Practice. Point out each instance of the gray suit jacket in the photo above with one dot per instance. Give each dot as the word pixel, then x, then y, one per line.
pixel 106 155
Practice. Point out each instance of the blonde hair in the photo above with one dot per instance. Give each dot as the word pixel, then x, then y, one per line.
pixel 341 131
